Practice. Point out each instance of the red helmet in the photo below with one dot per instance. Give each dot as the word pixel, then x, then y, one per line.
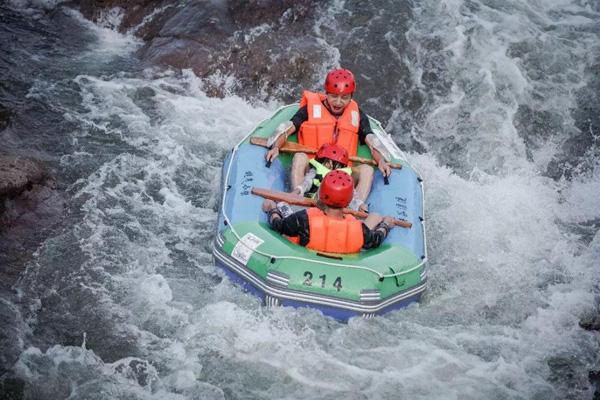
pixel 333 152
pixel 340 81
pixel 336 189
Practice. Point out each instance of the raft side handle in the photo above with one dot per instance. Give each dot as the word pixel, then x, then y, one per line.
pixel 395 277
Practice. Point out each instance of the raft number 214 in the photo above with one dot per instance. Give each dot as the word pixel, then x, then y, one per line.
pixel 309 276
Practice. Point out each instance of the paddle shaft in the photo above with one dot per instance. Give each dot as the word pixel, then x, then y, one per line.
pixel 292 147
pixel 306 202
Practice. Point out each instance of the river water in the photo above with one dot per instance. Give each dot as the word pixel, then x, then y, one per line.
pixel 122 300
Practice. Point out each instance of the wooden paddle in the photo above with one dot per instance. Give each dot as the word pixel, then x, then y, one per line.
pixel 306 202
pixel 292 147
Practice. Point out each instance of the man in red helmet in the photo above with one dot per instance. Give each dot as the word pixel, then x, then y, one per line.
pixel 333 117
pixel 326 228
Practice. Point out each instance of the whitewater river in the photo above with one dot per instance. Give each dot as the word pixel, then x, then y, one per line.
pixel 122 299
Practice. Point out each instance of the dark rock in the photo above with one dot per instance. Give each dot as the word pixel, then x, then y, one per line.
pixel 134 10
pixel 10 340
pixel 590 320
pixel 263 43
pixel 579 152
pixel 249 13
pixel 536 127
pixel 5 116
pixel 179 53
pixel 148 27
pixel 591 323
pixel 29 205
pixel 185 52
pixel 567 372
pixel 12 388
pixel 276 48
pixel 208 25
pixel 137 370
pixel 594 377
pixel 384 82
pixel 18 175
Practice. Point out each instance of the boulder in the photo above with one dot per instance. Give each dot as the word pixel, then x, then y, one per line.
pixel 594 377
pixel 134 10
pixel 29 205
pixel 18 175
pixel 590 321
pixel 276 48
pixel 5 116
pixel 267 45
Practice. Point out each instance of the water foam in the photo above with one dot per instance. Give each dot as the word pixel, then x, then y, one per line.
pixel 508 276
pixel 499 58
pixel 35 5
pixel 109 42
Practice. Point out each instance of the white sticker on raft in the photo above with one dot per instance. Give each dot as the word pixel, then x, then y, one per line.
pixel 243 249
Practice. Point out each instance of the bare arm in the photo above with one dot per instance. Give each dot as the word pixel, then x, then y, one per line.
pixel 282 133
pixel 372 141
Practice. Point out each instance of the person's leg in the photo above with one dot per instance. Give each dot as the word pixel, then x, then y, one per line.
pixel 299 169
pixel 363 178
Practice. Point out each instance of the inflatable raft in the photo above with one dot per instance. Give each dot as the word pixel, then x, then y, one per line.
pixel 282 273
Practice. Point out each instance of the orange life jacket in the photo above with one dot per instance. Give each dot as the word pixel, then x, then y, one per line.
pixel 321 124
pixel 332 235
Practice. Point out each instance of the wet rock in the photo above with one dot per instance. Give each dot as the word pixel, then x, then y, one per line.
pixel 384 83
pixel 179 53
pixel 259 42
pixel 134 10
pixel 248 13
pixel 567 372
pixel 536 126
pixel 277 48
pixel 188 39
pixel 580 151
pixel 10 340
pixel 590 323
pixel 594 377
pixel 265 44
pixel 29 204
pixel 5 116
pixel 18 175
pixel 12 388
pixel 201 23
pixel 590 320
pixel 137 370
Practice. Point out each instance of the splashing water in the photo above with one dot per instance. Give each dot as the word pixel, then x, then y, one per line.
pixel 513 252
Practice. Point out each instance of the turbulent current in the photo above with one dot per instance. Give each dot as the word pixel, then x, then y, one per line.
pixel 121 299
